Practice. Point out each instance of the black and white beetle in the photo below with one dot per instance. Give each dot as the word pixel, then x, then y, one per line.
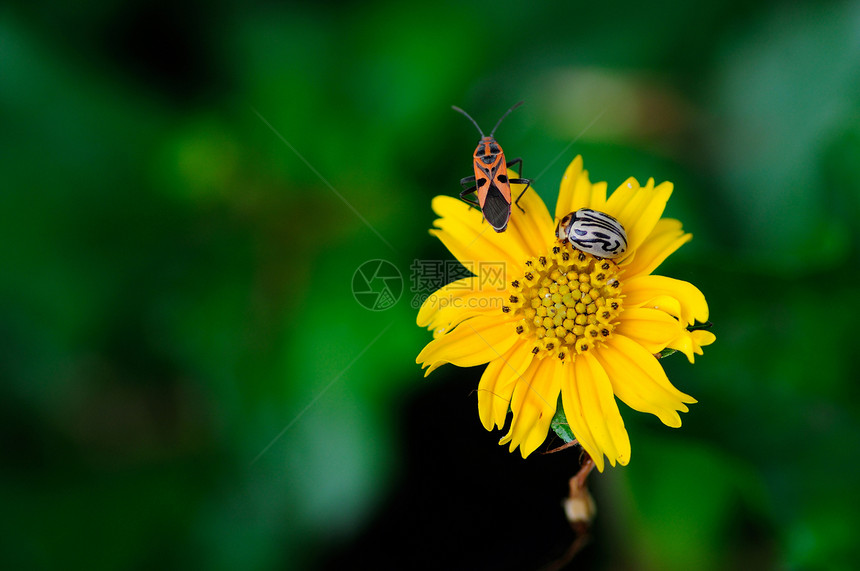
pixel 593 232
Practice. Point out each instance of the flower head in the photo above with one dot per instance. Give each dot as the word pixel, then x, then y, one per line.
pixel 565 322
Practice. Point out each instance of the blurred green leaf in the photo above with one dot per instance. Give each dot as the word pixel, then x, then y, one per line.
pixel 686 500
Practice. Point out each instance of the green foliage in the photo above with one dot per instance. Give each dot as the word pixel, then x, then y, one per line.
pixel 560 426
pixel 187 378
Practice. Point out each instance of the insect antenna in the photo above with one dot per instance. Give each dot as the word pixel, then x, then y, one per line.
pixel 469 117
pixel 508 112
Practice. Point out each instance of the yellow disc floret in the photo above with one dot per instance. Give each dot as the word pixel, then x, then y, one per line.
pixel 567 302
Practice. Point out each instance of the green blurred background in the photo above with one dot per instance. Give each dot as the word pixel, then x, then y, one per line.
pixel 187 379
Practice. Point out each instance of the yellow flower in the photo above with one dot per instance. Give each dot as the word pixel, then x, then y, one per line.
pixel 563 321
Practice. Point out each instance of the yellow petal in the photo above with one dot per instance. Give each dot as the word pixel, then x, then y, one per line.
pixel 703 338
pixel 517 362
pixel 489 396
pixel 533 405
pixel 459 300
pixel 475 341
pixel 690 343
pixel 638 379
pixel 600 410
pixel 665 303
pixel 498 382
pixel 472 241
pixel 532 226
pixel 643 289
pixel 577 192
pixel 462 230
pixel 651 328
pixel 638 208
pixel 575 414
pixel 684 343
pixel 666 237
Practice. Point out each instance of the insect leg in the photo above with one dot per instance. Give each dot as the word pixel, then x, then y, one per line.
pixel 465 182
pixel 516 161
pixel 468 191
pixel 525 181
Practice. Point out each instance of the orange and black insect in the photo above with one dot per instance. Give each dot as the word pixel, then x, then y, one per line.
pixel 491 182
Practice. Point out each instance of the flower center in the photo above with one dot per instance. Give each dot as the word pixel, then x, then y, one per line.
pixel 567 302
